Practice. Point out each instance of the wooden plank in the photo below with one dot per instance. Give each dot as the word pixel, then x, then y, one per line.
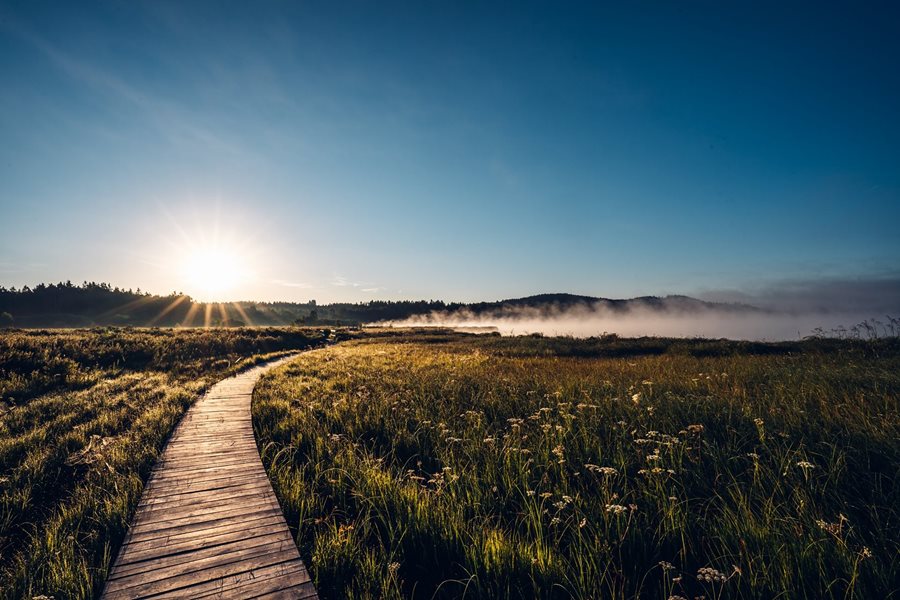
pixel 209 499
pixel 208 524
pixel 282 584
pixel 213 522
pixel 219 445
pixel 141 551
pixel 186 465
pixel 205 505
pixel 161 520
pixel 289 593
pixel 218 450
pixel 200 483
pixel 208 556
pixel 168 483
pixel 231 586
pixel 181 471
pixel 176 493
pixel 155 582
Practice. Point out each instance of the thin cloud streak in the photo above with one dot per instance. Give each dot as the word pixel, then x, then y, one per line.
pixel 293 284
pixel 8 268
pixel 341 281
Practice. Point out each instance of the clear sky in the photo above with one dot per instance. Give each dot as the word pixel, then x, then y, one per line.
pixel 464 151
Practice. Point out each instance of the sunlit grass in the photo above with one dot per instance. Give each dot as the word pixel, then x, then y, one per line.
pixel 495 468
pixel 84 415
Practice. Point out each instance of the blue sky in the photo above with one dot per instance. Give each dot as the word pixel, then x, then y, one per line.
pixel 465 151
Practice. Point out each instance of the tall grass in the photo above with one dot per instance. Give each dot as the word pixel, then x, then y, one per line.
pixel 83 417
pixel 441 466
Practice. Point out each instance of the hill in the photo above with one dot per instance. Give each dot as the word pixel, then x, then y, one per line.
pixel 551 303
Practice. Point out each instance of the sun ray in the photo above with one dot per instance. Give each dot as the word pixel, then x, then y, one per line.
pixel 189 317
pixel 223 313
pixel 207 314
pixel 166 311
pixel 129 305
pixel 240 310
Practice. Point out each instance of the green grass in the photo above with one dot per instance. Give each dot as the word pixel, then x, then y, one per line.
pixel 83 417
pixel 448 466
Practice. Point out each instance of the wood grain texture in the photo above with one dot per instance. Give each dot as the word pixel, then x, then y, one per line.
pixel 208 524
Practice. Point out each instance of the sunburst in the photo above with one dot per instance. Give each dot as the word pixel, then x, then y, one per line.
pixel 211 270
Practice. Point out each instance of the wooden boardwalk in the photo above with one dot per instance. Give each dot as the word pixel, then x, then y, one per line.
pixel 208 524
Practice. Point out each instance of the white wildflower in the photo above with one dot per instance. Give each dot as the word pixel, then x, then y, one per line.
pixel 710 575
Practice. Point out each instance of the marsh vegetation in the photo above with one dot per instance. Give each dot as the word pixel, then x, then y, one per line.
pixel 445 466
pixel 422 464
pixel 83 417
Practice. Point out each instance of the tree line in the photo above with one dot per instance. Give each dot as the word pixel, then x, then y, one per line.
pixel 65 304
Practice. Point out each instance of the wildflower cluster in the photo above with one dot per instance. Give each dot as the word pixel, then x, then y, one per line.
pixel 711 575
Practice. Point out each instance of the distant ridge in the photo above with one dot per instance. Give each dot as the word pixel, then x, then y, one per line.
pixel 558 302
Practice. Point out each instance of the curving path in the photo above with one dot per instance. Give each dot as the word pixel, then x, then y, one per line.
pixel 208 524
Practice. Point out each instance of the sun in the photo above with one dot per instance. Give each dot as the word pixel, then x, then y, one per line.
pixel 212 271
pixel 213 254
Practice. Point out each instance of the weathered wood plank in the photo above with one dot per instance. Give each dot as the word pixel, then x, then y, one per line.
pixel 141 551
pixel 174 485
pixel 231 468
pixel 194 558
pixel 174 578
pixel 208 524
pixel 232 585
pixel 202 506
pixel 269 586
pixel 293 592
pixel 178 494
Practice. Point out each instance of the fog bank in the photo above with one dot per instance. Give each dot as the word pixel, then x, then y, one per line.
pixel 787 311
pixel 761 326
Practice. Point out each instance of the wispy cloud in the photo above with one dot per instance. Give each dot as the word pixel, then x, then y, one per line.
pixel 10 268
pixel 293 284
pixel 367 287
pixel 341 281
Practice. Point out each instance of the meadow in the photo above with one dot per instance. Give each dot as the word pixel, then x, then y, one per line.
pixel 83 416
pixel 446 466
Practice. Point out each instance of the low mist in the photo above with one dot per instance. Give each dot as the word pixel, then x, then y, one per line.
pixel 790 311
pixel 709 324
